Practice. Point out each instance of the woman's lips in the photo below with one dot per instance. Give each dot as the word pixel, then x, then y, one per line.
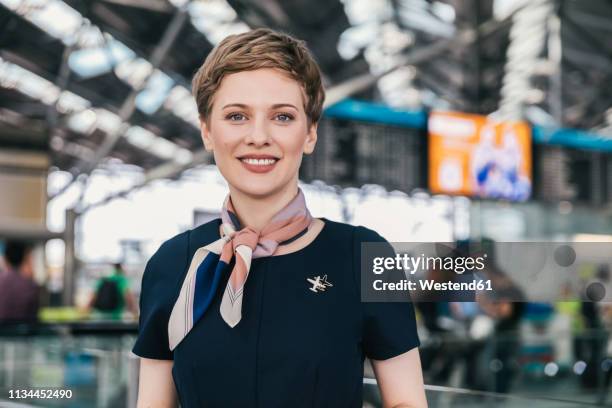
pixel 258 165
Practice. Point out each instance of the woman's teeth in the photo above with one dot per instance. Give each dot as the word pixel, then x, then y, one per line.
pixel 259 162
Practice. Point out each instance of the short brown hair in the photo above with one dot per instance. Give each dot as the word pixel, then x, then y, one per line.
pixel 260 48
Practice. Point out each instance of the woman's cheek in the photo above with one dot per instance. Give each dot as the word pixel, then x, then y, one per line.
pixel 223 162
pixel 223 149
pixel 291 143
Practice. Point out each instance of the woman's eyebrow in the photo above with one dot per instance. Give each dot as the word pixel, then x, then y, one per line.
pixel 275 106
pixel 237 105
pixel 282 105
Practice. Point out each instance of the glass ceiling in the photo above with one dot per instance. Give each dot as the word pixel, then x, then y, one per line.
pixel 377 29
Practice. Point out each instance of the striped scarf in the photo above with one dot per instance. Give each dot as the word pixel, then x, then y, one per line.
pixel 210 262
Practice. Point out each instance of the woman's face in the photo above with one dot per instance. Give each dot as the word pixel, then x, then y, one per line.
pixel 258 131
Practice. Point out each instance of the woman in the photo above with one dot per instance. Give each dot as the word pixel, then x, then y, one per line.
pixel 261 307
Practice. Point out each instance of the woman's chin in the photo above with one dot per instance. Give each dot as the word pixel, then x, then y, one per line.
pixel 258 190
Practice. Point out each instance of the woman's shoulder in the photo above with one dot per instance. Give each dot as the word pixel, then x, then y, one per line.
pixel 204 234
pixel 356 233
pixel 180 247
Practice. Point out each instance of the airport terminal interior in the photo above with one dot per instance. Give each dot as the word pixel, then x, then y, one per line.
pixel 468 122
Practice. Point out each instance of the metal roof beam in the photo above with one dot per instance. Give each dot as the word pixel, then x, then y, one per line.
pixel 463 38
pixel 129 105
pixel 153 5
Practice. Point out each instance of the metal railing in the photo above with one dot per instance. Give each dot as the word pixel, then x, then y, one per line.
pixel 102 372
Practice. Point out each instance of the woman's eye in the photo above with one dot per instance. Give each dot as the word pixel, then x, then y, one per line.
pixel 284 117
pixel 235 117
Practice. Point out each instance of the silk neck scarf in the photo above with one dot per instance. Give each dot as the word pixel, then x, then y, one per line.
pixel 210 262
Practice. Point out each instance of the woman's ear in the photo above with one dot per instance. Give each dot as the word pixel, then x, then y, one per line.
pixel 311 139
pixel 205 133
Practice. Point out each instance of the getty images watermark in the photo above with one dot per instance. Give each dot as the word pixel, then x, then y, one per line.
pixel 504 271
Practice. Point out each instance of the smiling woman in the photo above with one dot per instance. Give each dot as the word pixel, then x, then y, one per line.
pixel 261 306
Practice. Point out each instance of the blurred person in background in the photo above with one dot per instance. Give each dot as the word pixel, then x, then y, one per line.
pixel 442 352
pixel 487 323
pixel 19 294
pixel 505 306
pixel 3 266
pixel 507 313
pixel 591 346
pixel 112 296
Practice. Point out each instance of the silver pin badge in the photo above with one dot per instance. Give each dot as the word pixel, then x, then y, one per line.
pixel 319 284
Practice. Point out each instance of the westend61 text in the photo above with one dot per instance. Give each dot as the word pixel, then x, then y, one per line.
pixel 429 284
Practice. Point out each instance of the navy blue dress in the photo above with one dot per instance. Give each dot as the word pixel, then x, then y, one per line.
pixel 294 347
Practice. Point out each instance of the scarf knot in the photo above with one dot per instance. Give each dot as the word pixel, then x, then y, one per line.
pixel 246 236
pixel 211 261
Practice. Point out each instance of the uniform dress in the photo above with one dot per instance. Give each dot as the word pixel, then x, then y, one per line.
pixel 294 347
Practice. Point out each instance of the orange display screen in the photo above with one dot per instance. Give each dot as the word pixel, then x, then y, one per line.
pixel 473 156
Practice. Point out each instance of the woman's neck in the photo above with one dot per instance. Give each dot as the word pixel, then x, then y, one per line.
pixel 256 212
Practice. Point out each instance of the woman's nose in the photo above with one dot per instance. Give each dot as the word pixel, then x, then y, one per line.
pixel 258 134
